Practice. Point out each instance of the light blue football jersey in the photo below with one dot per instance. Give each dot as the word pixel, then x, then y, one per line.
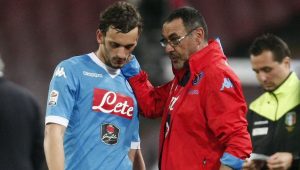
pixel 99 109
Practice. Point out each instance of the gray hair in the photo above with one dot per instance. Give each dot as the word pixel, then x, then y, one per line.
pixel 1 67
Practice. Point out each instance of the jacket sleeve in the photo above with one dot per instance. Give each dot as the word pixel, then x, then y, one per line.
pixel 151 99
pixel 225 110
pixel 250 122
pixel 37 155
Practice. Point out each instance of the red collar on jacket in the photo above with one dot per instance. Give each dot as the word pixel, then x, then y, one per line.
pixel 197 61
pixel 206 56
pixel 180 73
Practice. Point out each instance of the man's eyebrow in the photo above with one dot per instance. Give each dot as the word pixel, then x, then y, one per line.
pixel 265 67
pixel 173 35
pixel 170 36
pixel 129 44
pixel 123 45
pixel 261 68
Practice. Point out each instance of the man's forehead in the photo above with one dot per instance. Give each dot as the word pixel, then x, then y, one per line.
pixel 173 27
pixel 265 56
pixel 114 31
pixel 122 38
pixel 262 62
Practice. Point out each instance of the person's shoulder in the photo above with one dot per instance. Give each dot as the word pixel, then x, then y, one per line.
pixel 75 60
pixel 221 69
pixel 72 64
pixel 15 89
pixel 259 101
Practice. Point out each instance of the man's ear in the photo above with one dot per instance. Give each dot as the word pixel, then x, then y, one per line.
pixel 287 61
pixel 99 37
pixel 200 34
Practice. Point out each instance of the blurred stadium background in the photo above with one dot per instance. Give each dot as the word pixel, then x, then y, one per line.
pixel 35 35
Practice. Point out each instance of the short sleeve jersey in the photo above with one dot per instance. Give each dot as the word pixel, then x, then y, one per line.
pixel 97 106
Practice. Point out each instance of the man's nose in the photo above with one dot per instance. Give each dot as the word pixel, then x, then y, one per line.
pixel 122 52
pixel 169 48
pixel 262 76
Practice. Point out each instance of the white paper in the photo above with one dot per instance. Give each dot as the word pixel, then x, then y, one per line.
pixel 256 156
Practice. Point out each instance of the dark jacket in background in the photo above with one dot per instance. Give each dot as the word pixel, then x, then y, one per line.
pixel 21 129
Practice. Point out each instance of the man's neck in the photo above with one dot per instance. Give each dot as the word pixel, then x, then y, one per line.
pixel 99 54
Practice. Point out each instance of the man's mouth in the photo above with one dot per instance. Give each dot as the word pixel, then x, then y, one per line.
pixel 119 61
pixel 173 58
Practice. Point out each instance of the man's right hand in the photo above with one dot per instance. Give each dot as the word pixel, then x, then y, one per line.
pixel 132 68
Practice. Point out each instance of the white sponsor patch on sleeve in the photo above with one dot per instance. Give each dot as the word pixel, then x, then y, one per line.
pixel 260 131
pixel 261 122
pixel 53 97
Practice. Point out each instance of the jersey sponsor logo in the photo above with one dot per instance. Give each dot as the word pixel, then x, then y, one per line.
pixel 226 84
pixel 197 78
pixel 109 133
pixel 113 103
pixel 53 97
pixel 96 75
pixel 290 121
pixel 60 72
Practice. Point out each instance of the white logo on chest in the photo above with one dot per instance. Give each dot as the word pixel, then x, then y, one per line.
pixel 111 104
pixel 172 103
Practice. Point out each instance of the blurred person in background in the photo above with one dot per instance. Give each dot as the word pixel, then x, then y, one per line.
pixel 203 108
pixel 274 117
pixel 92 114
pixel 21 127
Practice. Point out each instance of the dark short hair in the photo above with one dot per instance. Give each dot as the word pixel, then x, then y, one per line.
pixel 121 16
pixel 191 18
pixel 270 42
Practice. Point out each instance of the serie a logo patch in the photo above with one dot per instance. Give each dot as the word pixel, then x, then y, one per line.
pixel 290 121
pixel 109 133
pixel 53 97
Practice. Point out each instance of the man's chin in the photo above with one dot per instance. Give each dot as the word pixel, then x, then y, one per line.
pixel 269 89
pixel 177 66
pixel 117 65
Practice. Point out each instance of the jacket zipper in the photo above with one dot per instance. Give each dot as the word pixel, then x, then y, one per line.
pixel 204 163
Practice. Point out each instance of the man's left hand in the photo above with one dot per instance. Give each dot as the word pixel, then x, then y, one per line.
pixel 280 161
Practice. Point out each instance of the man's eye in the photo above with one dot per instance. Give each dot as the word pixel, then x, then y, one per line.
pixel 256 71
pixel 128 47
pixel 267 70
pixel 175 39
pixel 114 45
pixel 176 42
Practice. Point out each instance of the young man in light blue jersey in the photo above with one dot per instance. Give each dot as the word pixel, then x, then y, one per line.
pixel 92 114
